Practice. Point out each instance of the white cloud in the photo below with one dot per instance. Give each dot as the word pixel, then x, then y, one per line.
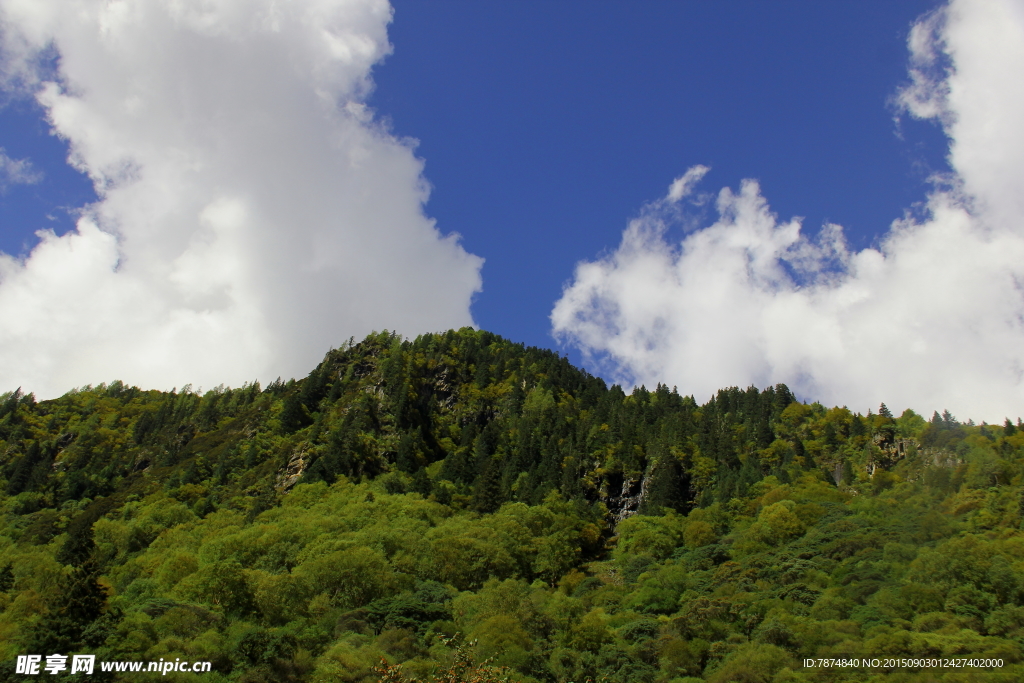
pixel 252 212
pixel 16 172
pixel 684 184
pixel 931 319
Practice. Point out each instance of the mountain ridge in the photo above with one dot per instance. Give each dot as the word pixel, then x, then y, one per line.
pixel 438 474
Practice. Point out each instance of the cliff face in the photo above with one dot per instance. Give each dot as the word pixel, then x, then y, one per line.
pixel 626 501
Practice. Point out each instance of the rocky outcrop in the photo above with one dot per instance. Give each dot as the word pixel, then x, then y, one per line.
pixel 293 471
pixel 626 502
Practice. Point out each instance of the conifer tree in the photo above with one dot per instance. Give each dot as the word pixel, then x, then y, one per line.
pixel 80 601
pixel 6 578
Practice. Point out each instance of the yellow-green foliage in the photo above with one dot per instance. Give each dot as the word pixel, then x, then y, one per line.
pixel 472 510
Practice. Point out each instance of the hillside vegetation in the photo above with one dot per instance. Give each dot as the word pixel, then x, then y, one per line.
pixel 471 509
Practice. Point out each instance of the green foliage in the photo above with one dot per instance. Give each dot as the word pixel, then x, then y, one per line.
pixel 346 526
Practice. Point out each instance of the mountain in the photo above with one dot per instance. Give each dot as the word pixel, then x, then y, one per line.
pixel 464 506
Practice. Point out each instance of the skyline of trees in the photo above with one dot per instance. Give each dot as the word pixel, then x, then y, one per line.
pixel 461 498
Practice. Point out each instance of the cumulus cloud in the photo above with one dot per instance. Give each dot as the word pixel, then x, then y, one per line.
pixel 252 212
pixel 16 172
pixel 933 318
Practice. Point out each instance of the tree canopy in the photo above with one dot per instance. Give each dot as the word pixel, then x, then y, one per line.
pixel 460 507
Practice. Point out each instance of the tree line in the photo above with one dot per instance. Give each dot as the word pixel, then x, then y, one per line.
pixel 460 506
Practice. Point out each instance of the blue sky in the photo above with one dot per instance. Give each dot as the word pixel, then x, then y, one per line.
pixel 262 173
pixel 545 126
pixel 50 202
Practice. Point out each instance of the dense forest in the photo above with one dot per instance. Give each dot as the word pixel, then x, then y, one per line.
pixel 460 507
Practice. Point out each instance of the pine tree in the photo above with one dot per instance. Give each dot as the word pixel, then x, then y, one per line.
pixel 22 474
pixel 6 578
pixel 81 599
pixel 421 483
pixel 293 414
pixel 847 472
pixel 666 488
pixel 487 493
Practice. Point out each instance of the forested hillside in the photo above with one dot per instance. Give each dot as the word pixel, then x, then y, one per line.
pixel 463 506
